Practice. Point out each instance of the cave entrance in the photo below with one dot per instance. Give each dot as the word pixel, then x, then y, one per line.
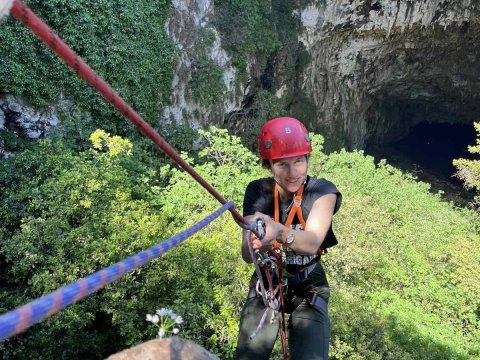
pixel 427 152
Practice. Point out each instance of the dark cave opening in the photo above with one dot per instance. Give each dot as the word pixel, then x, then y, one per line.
pixel 427 151
pixel 433 146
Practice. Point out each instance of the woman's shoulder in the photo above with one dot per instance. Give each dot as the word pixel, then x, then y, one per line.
pixel 261 185
pixel 316 188
pixel 320 184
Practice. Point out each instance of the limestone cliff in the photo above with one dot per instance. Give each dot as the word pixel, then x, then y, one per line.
pixel 374 69
pixel 377 67
pixel 196 39
pixel 380 67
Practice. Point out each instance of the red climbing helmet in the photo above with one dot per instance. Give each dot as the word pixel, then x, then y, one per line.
pixel 283 137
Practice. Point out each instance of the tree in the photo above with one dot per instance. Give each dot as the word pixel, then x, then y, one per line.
pixel 469 170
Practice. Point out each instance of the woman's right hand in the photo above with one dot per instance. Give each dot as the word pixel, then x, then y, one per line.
pixel 272 231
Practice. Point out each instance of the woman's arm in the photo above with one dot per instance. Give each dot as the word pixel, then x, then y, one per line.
pixel 305 241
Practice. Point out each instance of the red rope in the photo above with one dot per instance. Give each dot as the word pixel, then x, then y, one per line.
pixel 24 14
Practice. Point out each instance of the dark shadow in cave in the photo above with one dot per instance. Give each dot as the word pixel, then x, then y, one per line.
pixel 427 152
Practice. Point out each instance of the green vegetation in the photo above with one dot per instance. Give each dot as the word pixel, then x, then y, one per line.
pixel 258 30
pixel 207 82
pixel 123 41
pixel 405 277
pixel 247 29
pixel 469 170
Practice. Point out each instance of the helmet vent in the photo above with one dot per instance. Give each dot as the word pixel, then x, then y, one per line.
pixel 268 144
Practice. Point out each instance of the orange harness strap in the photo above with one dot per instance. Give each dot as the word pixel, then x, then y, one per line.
pixel 295 210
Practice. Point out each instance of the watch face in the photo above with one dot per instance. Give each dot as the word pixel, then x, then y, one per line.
pixel 289 239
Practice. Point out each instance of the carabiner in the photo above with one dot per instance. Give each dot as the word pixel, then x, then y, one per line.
pixel 259 226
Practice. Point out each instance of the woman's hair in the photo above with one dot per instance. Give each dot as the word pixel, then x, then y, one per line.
pixel 265 164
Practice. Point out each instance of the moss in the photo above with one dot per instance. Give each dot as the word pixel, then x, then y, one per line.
pixel 206 83
pixel 247 28
pixel 124 42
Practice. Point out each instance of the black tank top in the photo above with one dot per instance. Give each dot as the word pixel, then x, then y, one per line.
pixel 259 197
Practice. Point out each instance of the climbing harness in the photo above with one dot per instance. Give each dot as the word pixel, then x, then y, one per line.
pixel 273 263
pixel 272 266
pixel 294 210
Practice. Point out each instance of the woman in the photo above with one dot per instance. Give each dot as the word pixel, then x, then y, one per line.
pixel 297 210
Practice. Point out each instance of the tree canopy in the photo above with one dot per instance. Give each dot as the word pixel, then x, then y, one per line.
pixel 404 278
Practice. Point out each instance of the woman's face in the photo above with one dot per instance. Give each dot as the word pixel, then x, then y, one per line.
pixel 290 173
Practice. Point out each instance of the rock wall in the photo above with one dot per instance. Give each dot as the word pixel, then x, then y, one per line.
pixel 161 349
pixel 184 26
pixel 19 119
pixel 380 67
pixel 376 68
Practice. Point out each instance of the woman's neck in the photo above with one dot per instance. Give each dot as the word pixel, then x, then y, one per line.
pixel 284 195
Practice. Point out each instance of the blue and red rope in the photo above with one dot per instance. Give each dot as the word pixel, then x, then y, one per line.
pixel 18 320
pixel 22 318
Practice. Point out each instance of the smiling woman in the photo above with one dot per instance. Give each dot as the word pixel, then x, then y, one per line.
pixel 297 211
pixel 289 173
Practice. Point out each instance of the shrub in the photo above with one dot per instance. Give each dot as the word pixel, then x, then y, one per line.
pixel 403 278
pixel 469 170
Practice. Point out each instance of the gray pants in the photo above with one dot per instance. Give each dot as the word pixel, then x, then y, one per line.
pixel 308 331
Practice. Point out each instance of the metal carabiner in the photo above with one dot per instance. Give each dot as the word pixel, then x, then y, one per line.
pixel 259 227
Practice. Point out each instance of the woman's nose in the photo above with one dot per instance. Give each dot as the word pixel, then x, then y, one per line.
pixel 292 171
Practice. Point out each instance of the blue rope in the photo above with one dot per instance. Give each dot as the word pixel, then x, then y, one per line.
pixel 20 319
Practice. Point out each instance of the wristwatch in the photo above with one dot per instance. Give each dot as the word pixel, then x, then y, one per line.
pixel 290 239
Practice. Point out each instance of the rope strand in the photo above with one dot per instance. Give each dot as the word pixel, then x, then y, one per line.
pixel 20 319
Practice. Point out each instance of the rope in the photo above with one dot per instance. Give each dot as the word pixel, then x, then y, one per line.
pixel 20 319
pixel 28 314
pixel 24 14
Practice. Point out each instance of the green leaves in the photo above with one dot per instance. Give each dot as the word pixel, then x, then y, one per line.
pixel 124 42
pixel 404 277
pixel 469 170
pixel 400 250
pixel 206 84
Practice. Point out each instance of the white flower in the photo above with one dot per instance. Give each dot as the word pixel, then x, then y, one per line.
pixel 149 317
pixel 175 330
pixel 178 320
pixel 162 312
pixel 161 332
pixel 155 319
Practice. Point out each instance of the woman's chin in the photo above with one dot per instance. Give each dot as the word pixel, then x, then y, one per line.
pixel 292 188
